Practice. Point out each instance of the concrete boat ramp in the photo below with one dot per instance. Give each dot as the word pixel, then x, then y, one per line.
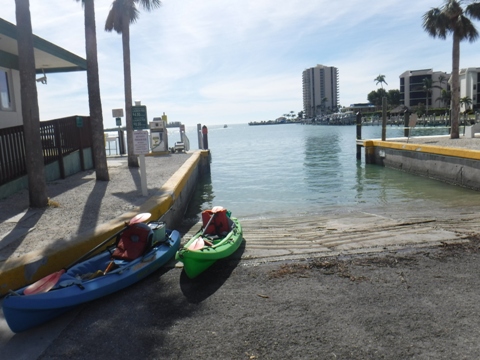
pixel 348 234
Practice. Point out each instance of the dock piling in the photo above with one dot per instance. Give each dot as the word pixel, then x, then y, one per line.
pixel 359 134
pixel 384 118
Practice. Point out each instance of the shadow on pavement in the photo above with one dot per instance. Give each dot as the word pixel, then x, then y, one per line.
pixel 207 283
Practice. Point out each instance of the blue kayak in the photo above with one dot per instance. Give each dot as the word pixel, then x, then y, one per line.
pixel 85 282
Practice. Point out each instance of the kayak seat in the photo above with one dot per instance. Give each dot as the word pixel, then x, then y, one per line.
pixel 133 242
pixel 89 266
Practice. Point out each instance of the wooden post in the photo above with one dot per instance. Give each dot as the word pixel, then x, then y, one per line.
pixel 121 142
pixel 359 134
pixel 384 118
pixel 205 137
pixel 406 130
pixel 199 133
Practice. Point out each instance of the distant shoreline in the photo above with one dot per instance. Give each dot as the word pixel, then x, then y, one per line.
pixel 272 122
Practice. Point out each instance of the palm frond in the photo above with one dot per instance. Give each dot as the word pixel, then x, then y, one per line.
pixel 467 30
pixel 436 23
pixel 473 11
pixel 149 5
pixel 452 8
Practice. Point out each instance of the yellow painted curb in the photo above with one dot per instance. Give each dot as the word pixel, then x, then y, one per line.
pixel 430 149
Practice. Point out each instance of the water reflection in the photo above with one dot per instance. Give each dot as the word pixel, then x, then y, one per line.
pixel 202 199
pixel 321 151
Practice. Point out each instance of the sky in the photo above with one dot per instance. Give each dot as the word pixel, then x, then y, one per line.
pixel 220 62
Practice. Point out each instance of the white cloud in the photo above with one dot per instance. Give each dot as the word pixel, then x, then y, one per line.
pixel 216 63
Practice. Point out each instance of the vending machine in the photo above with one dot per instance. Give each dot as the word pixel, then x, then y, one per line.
pixel 158 136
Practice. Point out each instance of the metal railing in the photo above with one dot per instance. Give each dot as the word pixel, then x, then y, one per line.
pixel 60 137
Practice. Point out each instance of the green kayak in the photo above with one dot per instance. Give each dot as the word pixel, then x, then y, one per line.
pixel 203 249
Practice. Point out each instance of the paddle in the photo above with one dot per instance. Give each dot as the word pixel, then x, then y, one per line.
pixel 46 283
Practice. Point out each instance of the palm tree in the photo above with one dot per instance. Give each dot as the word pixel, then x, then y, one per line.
pixel 37 185
pixel 122 14
pixel 93 83
pixel 445 97
pixel 452 18
pixel 380 79
pixel 441 80
pixel 466 101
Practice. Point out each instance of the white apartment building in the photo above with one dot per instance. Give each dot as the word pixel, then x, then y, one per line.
pixel 320 90
pixel 412 90
pixel 470 87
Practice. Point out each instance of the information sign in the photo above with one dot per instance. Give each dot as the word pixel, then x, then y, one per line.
pixel 140 143
pixel 139 117
pixel 117 113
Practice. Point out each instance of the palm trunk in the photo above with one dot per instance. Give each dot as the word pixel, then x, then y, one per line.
pixel 96 117
pixel 37 187
pixel 455 133
pixel 132 158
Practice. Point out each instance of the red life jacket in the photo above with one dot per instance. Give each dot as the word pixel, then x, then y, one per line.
pixel 133 242
pixel 220 224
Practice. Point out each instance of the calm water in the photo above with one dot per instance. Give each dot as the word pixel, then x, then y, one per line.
pixel 278 170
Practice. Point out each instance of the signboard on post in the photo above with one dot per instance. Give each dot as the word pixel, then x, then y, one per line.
pixel 140 143
pixel 117 113
pixel 139 117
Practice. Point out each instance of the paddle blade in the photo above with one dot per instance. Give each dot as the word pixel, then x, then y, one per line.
pixel 140 218
pixel 44 284
pixel 197 244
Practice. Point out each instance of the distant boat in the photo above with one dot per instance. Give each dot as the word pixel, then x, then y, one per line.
pixel 224 126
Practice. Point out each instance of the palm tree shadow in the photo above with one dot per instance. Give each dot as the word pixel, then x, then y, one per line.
pixel 14 238
pixel 207 283
pixel 91 211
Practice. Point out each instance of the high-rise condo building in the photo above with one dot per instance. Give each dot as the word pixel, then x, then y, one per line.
pixel 320 90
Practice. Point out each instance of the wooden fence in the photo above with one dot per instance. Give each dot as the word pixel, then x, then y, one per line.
pixel 60 137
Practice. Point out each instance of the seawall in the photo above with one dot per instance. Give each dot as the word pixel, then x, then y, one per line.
pixel 451 164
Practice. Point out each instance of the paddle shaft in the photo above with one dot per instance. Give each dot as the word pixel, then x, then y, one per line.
pixel 84 256
pixel 208 223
